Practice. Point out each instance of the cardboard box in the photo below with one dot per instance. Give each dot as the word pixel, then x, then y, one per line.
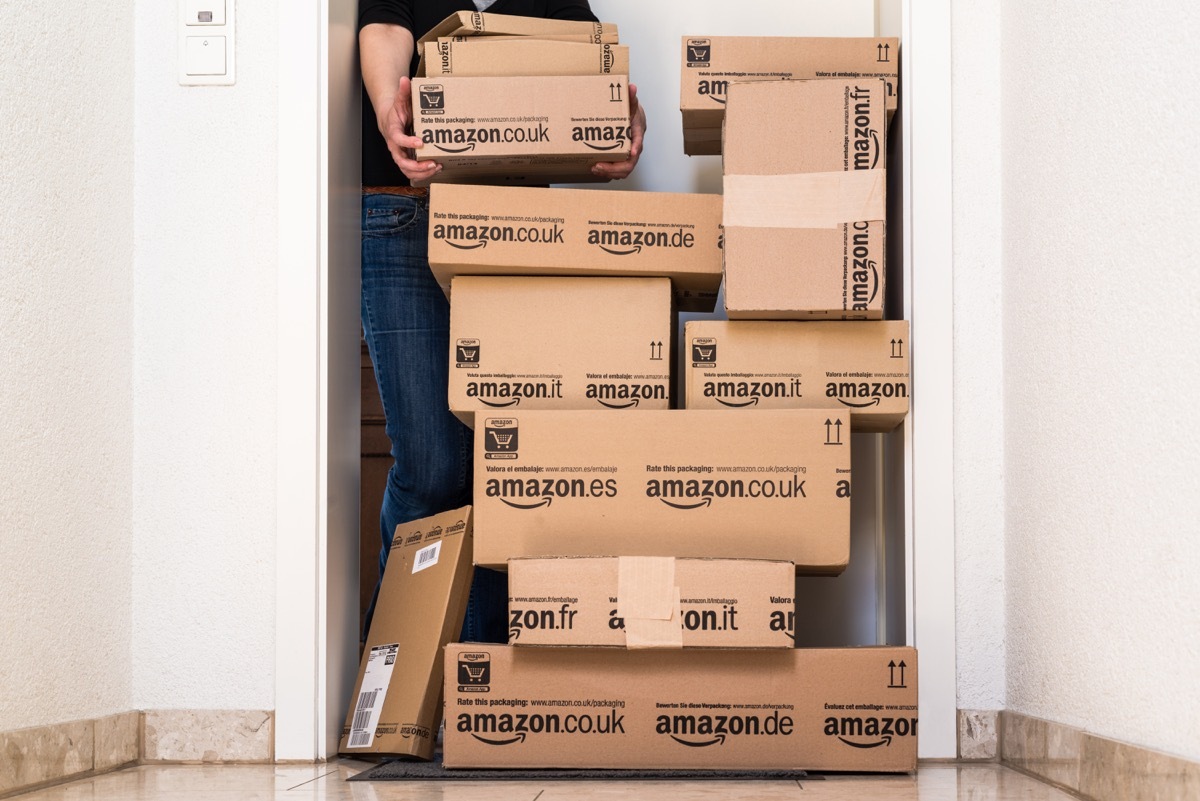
pixel 559 343
pixel 651 602
pixel 485 230
pixel 852 709
pixel 710 64
pixel 398 695
pixel 862 368
pixel 474 23
pixel 804 200
pixel 497 56
pixel 770 485
pixel 549 128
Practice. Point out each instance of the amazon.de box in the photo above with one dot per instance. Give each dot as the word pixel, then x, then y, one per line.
pixel 543 129
pixel 496 56
pixel 710 64
pixel 398 695
pixel 494 230
pixel 559 343
pixel 804 185
pixel 844 709
pixel 770 485
pixel 861 368
pixel 651 602
pixel 474 23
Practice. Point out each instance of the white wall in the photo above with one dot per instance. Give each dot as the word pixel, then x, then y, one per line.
pixel 1101 310
pixel 66 250
pixel 204 371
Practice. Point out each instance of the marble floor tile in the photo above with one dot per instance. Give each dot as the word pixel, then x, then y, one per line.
pixel 46 753
pixel 180 735
pixel 117 740
pixel 1114 771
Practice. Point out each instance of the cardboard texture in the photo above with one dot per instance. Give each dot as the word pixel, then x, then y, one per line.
pixel 862 368
pixel 651 602
pixel 559 343
pixel 474 23
pixel 770 485
pixel 495 56
pixel 804 171
pixel 545 128
pixel 851 709
pixel 486 230
pixel 397 702
pixel 710 64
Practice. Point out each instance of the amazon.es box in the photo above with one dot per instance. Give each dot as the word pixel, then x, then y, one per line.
pixel 804 178
pixel 651 602
pixel 851 709
pixel 559 343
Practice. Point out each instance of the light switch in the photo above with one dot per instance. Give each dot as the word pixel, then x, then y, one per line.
pixel 205 55
pixel 204 12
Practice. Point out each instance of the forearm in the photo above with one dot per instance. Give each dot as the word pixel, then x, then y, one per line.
pixel 385 53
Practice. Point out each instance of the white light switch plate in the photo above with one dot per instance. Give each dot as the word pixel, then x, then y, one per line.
pixel 206 43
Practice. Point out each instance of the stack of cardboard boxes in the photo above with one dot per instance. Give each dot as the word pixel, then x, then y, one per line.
pixel 651 550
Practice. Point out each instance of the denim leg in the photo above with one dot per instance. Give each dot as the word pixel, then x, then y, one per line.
pixel 406 321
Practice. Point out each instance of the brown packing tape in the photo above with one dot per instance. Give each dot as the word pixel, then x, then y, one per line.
pixel 648 601
pixel 804 200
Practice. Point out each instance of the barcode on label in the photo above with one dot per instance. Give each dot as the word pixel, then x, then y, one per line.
pixel 427 557
pixel 360 735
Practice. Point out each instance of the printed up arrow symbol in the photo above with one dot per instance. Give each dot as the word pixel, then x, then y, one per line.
pixel 892 673
pixel 902 684
pixel 839 431
pixel 828 432
pixel 614 90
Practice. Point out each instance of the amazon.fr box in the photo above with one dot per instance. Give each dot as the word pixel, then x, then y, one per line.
pixel 711 63
pixel 539 129
pixel 847 709
pixel 397 702
pixel 861 368
pixel 770 485
pixel 804 200
pixel 559 343
pixel 651 602
pixel 520 56
pixel 496 230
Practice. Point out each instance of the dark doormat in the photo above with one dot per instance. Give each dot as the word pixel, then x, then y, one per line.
pixel 399 770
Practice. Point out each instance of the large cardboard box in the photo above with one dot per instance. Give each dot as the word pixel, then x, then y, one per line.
pixel 489 230
pixel 544 128
pixel 497 56
pixel 559 343
pixel 474 23
pixel 711 63
pixel 862 368
pixel 651 602
pixel 771 485
pixel 804 180
pixel 851 709
pixel 397 701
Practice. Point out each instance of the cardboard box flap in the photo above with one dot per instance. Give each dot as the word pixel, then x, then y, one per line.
pixel 475 23
pixel 648 601
pixel 804 200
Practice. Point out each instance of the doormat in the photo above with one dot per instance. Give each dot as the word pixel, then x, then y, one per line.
pixel 401 770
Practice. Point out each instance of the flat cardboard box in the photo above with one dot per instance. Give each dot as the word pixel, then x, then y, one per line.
pixel 531 128
pixel 486 230
pixel 804 192
pixel 711 63
pixel 484 56
pixel 474 23
pixel 770 485
pixel 398 695
pixel 553 343
pixel 651 602
pixel 862 368
pixel 848 709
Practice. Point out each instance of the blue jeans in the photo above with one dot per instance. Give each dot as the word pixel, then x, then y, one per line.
pixel 406 321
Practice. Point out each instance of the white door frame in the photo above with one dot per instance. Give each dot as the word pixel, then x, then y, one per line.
pixel 316 574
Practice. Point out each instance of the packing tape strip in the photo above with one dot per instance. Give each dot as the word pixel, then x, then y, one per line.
pixel 648 601
pixel 804 200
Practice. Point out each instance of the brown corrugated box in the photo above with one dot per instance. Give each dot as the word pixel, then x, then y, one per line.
pixel 710 64
pixel 862 368
pixel 804 192
pixel 486 230
pixel 559 343
pixel 474 23
pixel 850 709
pixel 651 602
pixel 542 128
pixel 769 485
pixel 496 56
pixel 397 700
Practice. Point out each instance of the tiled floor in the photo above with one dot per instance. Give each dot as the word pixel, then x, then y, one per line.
pixel 328 783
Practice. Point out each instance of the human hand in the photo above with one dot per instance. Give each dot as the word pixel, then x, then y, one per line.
pixel 394 124
pixel 637 127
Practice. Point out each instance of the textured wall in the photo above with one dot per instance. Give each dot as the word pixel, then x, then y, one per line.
pixel 1101 310
pixel 204 372
pixel 66 253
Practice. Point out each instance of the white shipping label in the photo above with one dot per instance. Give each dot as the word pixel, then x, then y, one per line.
pixel 427 557
pixel 376 678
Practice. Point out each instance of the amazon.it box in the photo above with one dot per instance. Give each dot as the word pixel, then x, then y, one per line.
pixel 804 179
pixel 770 485
pixel 651 602
pixel 559 343
pixel 493 230
pixel 861 368
pixel 839 709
